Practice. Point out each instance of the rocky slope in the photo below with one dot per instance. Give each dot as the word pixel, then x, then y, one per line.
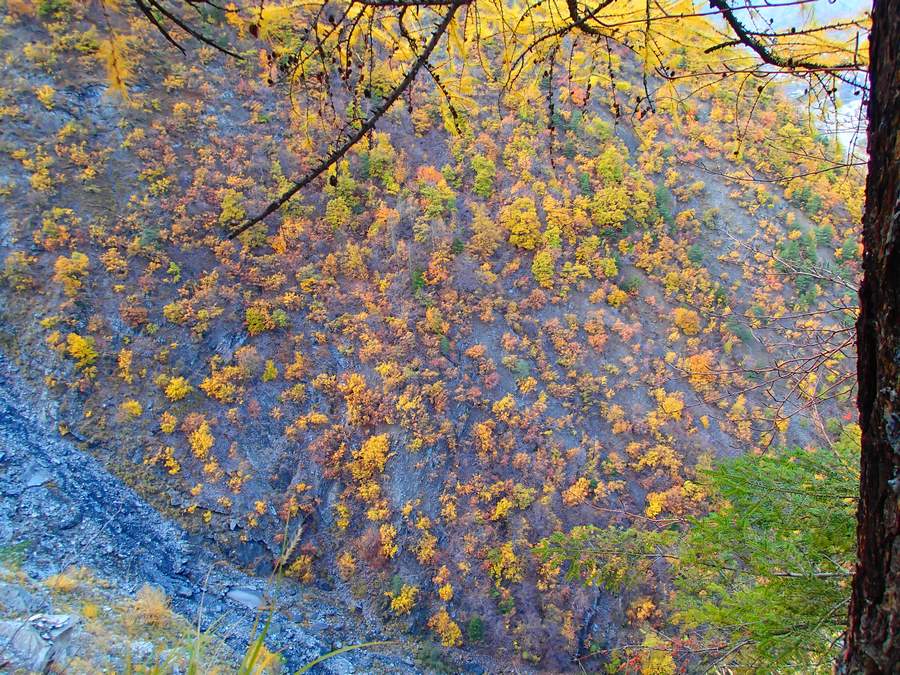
pixel 443 354
pixel 61 511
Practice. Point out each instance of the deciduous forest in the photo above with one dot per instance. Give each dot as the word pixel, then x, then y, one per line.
pixel 485 336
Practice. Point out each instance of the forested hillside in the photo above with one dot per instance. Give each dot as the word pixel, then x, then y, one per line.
pixel 515 317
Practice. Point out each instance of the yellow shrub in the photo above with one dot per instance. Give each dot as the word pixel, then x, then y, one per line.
pixel 446 629
pixel 301 569
pixel 81 349
pixel 642 608
pixel 45 94
pixel 271 372
pixel 521 220
pixel 371 457
pixel 201 440
pixel 343 516
pixel 687 320
pixel 64 582
pixel 346 565
pixel 404 601
pixel 504 565
pixel 655 503
pixel 577 492
pixel 616 297
pixel 70 272
pixel 446 592
pixel 388 532
pixel 131 409
pixel 178 388
pixel 221 384
pixel 167 422
pixel 125 358
pixel 502 508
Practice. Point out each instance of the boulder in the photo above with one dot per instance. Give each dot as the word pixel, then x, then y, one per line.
pixel 37 642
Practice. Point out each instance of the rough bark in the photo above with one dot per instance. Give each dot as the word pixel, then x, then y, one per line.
pixel 873 640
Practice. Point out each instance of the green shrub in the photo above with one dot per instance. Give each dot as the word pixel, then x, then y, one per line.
pixel 475 629
pixel 485 172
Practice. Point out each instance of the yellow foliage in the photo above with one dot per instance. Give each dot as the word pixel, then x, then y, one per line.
pixel 502 509
pixel 70 272
pixel 81 349
pixel 671 405
pixel 343 516
pixel 425 548
pixel 521 220
pixel 221 384
pixel 167 422
pixel 484 436
pixel 616 297
pixel 131 409
pixel 297 369
pixel 301 569
pixel 201 440
pixel 699 368
pixel 388 533
pixel 446 629
pixel 435 322
pixel 371 457
pixel 687 320
pixel 346 565
pixel 504 407
pixel 404 601
pixel 660 455
pixel 114 53
pixel 504 565
pixel 642 608
pixel 577 493
pixel 178 388
pixel 125 358
pixel 655 503
pixel 45 94
pixel 64 582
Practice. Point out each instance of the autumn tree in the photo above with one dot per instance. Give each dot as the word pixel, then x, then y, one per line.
pixel 741 44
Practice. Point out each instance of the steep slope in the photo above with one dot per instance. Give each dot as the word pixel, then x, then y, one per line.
pixel 61 508
pixel 448 350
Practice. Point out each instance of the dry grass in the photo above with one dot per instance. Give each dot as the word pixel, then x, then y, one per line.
pixel 68 581
pixel 150 607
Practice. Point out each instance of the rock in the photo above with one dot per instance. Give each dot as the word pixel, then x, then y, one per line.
pixel 38 476
pixel 247 597
pixel 16 600
pixel 184 591
pixel 72 519
pixel 339 666
pixel 142 650
pixel 36 642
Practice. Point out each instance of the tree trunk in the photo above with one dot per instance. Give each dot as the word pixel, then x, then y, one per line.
pixel 873 639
